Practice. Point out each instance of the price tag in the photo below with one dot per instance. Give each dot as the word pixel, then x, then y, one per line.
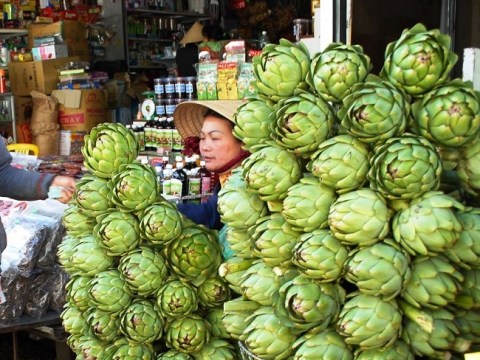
pixel 472 356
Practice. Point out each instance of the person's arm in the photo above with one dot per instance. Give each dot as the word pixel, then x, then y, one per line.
pixel 204 214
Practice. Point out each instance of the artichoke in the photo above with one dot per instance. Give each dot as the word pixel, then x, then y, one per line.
pixel 187 334
pixel 144 270
pixel 176 299
pixel 419 60
pixel 239 208
pixel 428 225
pixel 359 217
pixel 107 146
pixel 434 282
pixel 129 351
pixel 381 269
pixel 468 168
pixel 369 322
pixel 374 111
pixel 140 322
pixel 213 292
pixel 232 271
pixel 108 292
pixel 448 115
pixel 92 196
pixel 239 242
pixel 319 255
pixel 216 349
pixel 405 167
pixel 307 204
pixel 341 162
pixel 301 122
pixel 215 319
pixel 77 223
pixel 398 351
pixel 134 187
pixel 326 344
pixel 77 288
pixel 336 69
pixel 103 325
pixel 173 354
pixel 252 121
pixel 267 337
pixel 280 69
pixel 118 231
pixel 73 320
pixel 235 315
pixel 270 171
pixel 160 223
pixel 469 296
pixel 195 255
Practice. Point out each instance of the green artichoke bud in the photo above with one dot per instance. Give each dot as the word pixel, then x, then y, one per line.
pixel 341 162
pixel 73 320
pixel 381 269
pixel 370 322
pixel 336 69
pixel 66 249
pixel 239 208
pixel 90 347
pixel 109 292
pixel 107 146
pixel 134 187
pixel 281 69
pixel 398 351
pixel 468 323
pixel 419 60
pixel 326 344
pixel 235 315
pixel 77 289
pixel 434 282
pixel 160 223
pixel 305 304
pixel 103 325
pixel 374 111
pixel 144 270
pixel 448 115
pixel 270 171
pixel 233 270
pixel 216 349
pixel 88 257
pixel 428 332
pixel 92 196
pixel 130 351
pixel 141 323
pixel 187 334
pixel 428 225
pixel 252 121
pixel 468 168
pixel 176 299
pixel 215 319
pixel 302 122
pixel 77 223
pixel 466 251
pixel 267 337
pixel 320 256
pixel 405 167
pixel 118 231
pixel 194 255
pixel 173 354
pixel 469 296
pixel 359 217
pixel 274 239
pixel 307 204
pixel 239 242
pixel 213 292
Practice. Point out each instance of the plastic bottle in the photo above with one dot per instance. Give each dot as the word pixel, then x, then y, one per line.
pixel 205 181
pixel 159 172
pixel 167 180
pixel 263 39
pixel 193 183
pixel 179 180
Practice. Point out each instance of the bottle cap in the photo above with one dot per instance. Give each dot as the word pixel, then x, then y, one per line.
pixel 202 162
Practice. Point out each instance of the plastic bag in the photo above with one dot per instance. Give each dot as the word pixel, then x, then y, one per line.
pixel 58 289
pixel 15 288
pixel 39 295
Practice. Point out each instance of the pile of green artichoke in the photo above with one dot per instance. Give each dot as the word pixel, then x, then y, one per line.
pixel 357 231
pixel 144 280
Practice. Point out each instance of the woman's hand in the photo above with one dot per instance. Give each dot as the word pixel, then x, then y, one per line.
pixel 67 184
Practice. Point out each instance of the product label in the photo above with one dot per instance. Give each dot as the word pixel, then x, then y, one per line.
pixel 167 187
pixel 194 186
pixel 175 187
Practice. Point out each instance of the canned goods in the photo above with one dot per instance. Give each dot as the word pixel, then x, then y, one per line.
pixel 179 87
pixel 160 107
pixel 191 87
pixel 158 87
pixel 170 105
pixel 169 87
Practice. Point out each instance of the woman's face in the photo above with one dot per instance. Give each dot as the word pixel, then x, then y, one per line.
pixel 218 146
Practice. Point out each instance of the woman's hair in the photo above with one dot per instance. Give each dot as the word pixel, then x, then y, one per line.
pixel 212 32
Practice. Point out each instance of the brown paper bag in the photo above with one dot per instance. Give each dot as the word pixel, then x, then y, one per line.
pixel 44 124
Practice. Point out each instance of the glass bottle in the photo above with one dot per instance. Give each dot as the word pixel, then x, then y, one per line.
pixel 179 180
pixel 205 181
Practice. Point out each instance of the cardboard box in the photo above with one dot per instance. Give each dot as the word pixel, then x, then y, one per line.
pixel 81 110
pixel 74 34
pixel 23 115
pixel 71 142
pixel 48 52
pixel 35 75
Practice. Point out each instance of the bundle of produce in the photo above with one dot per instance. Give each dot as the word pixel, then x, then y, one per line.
pixel 143 279
pixel 367 243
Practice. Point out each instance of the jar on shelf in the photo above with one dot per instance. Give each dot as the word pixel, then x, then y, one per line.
pixel 169 87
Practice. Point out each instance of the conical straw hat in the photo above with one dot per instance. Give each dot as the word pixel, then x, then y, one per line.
pixel 194 34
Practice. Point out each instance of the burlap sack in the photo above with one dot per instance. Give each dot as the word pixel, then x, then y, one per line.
pixel 44 124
